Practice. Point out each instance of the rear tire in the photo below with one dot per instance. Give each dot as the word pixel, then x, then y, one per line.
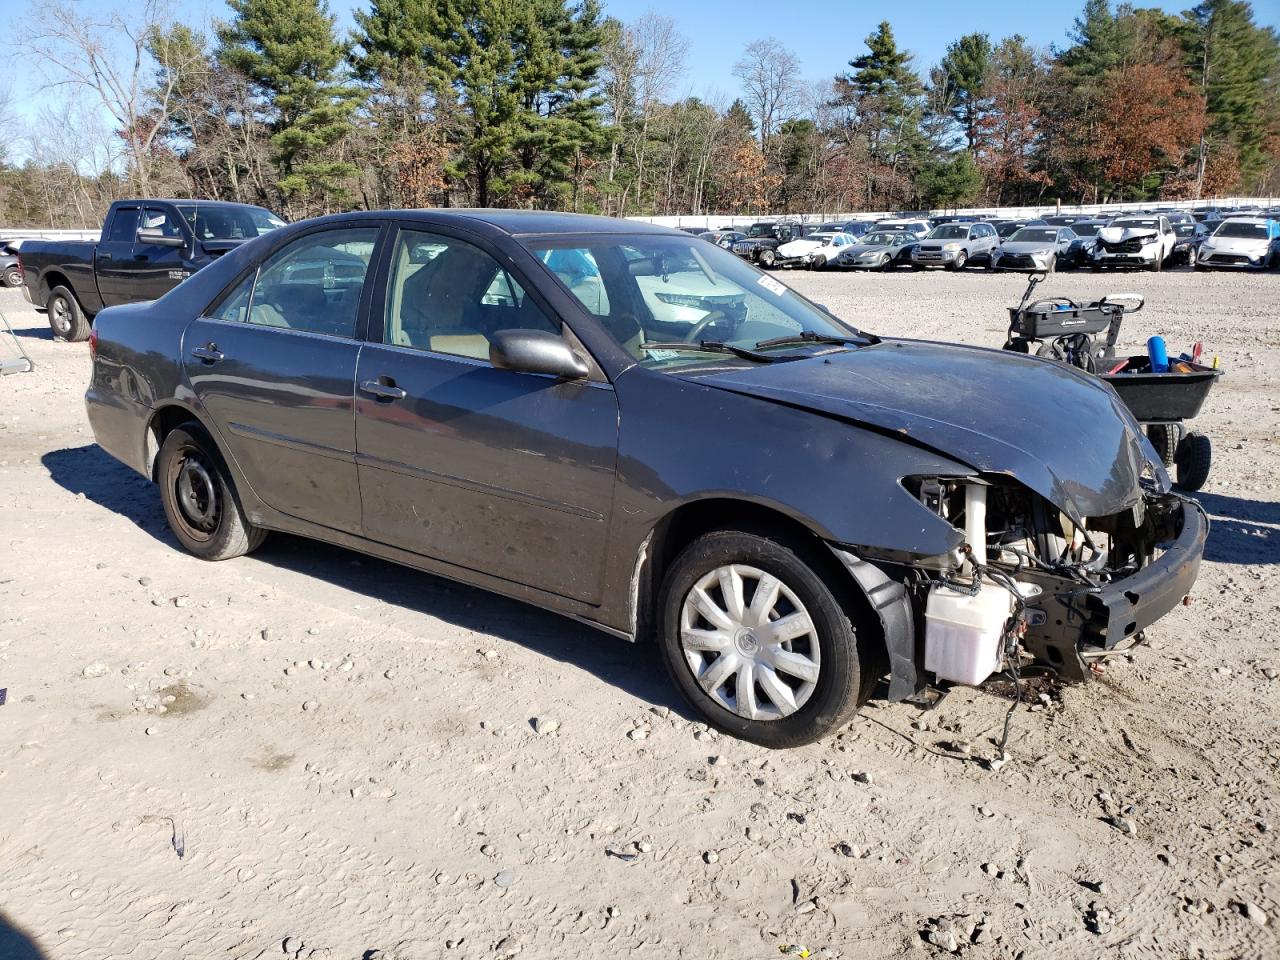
pixel 66 319
pixel 774 692
pixel 199 498
pixel 1194 457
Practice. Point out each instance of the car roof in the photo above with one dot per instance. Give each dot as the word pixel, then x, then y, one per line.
pixel 1257 220
pixel 517 223
pixel 194 203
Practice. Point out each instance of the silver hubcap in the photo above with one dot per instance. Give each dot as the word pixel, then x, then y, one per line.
pixel 197 495
pixel 750 643
pixel 61 314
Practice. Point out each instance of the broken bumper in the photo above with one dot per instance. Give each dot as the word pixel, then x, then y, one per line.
pixel 1067 628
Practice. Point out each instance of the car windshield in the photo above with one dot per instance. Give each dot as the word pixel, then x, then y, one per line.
pixel 229 223
pixel 1087 229
pixel 1248 231
pixel 1185 229
pixel 886 238
pixel 949 231
pixel 1131 222
pixel 1035 235
pixel 647 289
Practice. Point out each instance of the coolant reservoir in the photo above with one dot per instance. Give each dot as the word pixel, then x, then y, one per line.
pixel 962 633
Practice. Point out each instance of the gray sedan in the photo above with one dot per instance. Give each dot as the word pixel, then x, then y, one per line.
pixel 1040 248
pixel 877 250
pixel 633 427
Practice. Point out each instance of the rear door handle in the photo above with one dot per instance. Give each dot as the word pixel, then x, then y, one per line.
pixel 383 391
pixel 209 353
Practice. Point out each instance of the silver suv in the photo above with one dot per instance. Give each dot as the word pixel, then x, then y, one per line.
pixel 955 245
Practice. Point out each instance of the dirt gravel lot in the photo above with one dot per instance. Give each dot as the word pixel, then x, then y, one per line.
pixel 310 753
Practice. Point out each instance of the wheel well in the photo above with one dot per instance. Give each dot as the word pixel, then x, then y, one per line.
pixel 50 280
pixel 688 522
pixel 162 422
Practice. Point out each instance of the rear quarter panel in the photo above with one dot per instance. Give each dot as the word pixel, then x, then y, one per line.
pixel 48 264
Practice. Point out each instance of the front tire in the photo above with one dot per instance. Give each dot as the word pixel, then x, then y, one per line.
pixel 66 319
pixel 961 261
pixel 819 263
pixel 758 643
pixel 199 498
pixel 767 257
pixel 13 277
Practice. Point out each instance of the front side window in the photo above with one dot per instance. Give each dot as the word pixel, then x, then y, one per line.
pixel 448 296
pixel 314 284
pixel 215 222
pixel 154 218
pixel 654 289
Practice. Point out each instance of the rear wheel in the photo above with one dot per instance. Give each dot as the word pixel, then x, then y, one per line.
pixel 66 319
pixel 1194 457
pixel 757 641
pixel 199 499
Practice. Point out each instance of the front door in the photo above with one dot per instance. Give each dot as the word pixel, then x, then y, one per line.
pixel 274 365
pixel 506 473
pixel 113 256
pixel 158 268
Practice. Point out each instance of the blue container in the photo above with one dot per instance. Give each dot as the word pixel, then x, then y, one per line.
pixel 1158 355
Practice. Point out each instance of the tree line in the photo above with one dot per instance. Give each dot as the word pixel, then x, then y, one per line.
pixel 552 104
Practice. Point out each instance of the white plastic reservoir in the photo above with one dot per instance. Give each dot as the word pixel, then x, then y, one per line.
pixel 962 633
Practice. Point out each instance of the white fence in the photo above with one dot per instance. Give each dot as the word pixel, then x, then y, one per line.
pixel 713 221
pixel 16 235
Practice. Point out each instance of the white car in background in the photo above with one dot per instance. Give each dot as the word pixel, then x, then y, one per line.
pixel 1145 242
pixel 917 228
pixel 826 245
pixel 1241 243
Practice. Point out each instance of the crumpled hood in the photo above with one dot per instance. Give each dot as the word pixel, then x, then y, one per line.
pixel 1058 431
pixel 1120 234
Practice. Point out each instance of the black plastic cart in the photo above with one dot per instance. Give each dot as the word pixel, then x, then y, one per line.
pixel 1067 331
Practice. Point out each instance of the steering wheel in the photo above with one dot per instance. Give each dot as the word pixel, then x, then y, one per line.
pixel 700 327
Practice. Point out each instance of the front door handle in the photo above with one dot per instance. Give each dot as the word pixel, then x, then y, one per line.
pixel 383 391
pixel 209 353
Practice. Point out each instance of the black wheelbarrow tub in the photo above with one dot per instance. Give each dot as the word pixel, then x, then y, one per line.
pixel 1163 397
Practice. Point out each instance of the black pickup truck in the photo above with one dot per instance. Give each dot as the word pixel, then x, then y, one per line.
pixel 147 248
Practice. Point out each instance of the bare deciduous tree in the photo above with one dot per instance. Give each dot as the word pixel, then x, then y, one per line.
pixel 107 55
pixel 770 87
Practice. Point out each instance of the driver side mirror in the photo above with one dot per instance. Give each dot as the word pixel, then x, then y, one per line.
pixel 160 239
pixel 535 351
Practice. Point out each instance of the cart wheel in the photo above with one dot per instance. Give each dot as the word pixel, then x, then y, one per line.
pixel 1165 439
pixel 1194 456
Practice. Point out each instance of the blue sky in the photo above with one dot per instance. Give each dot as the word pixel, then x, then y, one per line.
pixel 824 35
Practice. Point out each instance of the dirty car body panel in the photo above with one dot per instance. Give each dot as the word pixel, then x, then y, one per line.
pixel 560 491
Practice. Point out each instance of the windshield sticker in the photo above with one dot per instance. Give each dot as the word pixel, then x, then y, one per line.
pixel 772 285
pixel 662 355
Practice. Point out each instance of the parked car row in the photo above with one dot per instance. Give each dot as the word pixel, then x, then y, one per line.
pixel 1143 240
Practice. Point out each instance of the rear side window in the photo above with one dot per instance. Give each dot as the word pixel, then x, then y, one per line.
pixel 124 225
pixel 314 284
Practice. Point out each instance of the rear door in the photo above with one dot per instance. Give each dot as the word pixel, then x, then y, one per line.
pixel 507 473
pixel 113 259
pixel 274 366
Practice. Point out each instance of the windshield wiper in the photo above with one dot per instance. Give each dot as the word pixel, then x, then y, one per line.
pixel 809 336
pixel 716 346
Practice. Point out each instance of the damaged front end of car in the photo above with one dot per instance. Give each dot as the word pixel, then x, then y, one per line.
pixel 1027 581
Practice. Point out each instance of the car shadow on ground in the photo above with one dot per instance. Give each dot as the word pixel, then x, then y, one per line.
pixel 635 668
pixel 15 944
pixel 1241 531
pixel 33 333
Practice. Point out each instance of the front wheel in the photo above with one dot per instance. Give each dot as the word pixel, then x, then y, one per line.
pixel 1192 257
pixel 767 257
pixel 13 277
pixel 758 643
pixel 961 260
pixel 199 499
pixel 819 263
pixel 66 319
pixel 1158 263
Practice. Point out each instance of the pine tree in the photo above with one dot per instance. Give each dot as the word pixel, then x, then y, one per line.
pixel 965 68
pixel 1236 64
pixel 289 51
